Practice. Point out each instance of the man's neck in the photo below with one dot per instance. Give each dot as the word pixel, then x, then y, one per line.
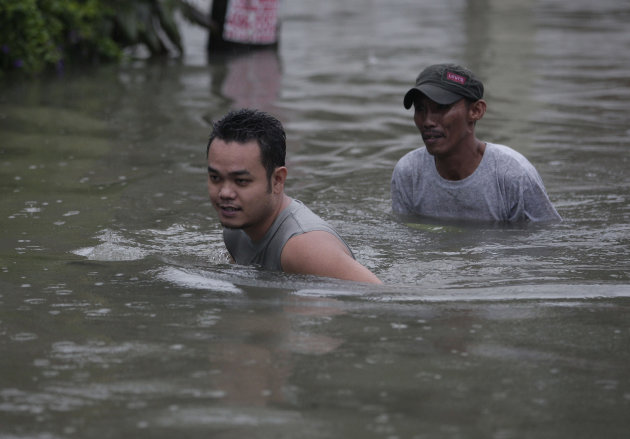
pixel 462 163
pixel 256 234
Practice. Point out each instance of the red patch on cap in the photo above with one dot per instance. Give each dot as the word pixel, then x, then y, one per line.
pixel 450 76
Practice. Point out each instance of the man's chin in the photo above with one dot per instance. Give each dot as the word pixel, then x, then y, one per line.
pixel 231 225
pixel 234 225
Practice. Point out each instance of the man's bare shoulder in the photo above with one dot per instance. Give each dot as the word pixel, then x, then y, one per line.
pixel 321 253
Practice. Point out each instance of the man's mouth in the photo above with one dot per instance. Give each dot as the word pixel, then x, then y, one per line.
pixel 431 136
pixel 228 209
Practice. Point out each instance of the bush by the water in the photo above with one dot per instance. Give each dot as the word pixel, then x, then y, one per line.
pixel 40 35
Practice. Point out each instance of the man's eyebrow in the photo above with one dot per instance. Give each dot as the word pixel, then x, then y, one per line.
pixel 239 172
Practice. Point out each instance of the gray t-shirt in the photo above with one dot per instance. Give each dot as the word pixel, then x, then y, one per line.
pixel 504 187
pixel 295 219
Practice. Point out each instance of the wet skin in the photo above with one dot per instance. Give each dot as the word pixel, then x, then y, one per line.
pixel 448 132
pixel 239 189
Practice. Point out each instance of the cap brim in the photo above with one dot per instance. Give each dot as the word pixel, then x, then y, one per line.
pixel 436 94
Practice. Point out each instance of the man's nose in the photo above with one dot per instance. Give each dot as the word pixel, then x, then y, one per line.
pixel 429 118
pixel 226 191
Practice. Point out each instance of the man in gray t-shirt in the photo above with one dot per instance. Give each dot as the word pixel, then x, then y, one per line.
pixel 295 219
pixel 264 226
pixel 455 175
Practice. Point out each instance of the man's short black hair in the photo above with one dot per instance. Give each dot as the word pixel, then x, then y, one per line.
pixel 245 125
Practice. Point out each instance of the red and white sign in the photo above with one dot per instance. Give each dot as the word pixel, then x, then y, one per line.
pixel 251 22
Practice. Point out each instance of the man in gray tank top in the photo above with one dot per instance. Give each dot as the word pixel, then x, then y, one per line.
pixel 455 175
pixel 262 225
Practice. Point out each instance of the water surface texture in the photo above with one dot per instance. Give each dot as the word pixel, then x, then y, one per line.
pixel 120 315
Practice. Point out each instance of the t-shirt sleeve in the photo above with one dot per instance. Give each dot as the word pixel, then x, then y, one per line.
pixel 401 203
pixel 538 207
pixel 529 199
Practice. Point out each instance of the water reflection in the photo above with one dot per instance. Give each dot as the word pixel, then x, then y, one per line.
pixel 254 359
pixel 248 80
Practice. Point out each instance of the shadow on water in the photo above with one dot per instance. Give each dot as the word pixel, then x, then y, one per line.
pixel 120 315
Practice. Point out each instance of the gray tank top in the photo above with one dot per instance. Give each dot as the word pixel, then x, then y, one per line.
pixel 294 220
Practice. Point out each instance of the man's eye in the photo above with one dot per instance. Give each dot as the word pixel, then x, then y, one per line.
pixel 213 178
pixel 241 181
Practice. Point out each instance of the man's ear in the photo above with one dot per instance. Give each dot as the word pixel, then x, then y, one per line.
pixel 477 109
pixel 278 178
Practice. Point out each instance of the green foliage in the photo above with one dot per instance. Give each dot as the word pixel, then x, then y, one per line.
pixel 38 35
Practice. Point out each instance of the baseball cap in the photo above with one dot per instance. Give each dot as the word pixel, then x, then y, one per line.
pixel 445 84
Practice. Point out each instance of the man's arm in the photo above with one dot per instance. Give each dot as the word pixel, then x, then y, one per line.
pixel 322 254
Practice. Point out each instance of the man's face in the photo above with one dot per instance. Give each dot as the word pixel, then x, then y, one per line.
pixel 239 188
pixel 443 127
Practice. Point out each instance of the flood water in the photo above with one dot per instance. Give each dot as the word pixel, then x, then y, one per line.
pixel 120 315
